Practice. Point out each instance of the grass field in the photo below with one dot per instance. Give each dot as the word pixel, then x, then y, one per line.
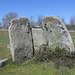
pixel 40 68
pixel 73 37
pixel 4 41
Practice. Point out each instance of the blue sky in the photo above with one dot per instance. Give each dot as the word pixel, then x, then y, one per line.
pixel 62 8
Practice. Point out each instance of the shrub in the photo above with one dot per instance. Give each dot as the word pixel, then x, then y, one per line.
pixel 61 57
pixel 63 71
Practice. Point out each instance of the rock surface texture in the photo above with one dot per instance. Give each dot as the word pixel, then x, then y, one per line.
pixel 38 38
pixel 56 33
pixel 20 39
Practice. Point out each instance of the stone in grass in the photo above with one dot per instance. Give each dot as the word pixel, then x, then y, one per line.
pixel 57 34
pixel 20 39
pixel 2 62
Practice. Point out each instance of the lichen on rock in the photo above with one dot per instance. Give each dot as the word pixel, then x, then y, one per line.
pixel 56 33
pixel 20 39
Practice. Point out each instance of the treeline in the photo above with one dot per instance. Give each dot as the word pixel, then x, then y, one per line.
pixel 70 27
pixel 6 21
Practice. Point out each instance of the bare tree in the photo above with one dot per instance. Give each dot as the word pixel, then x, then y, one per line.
pixel 72 21
pixel 40 19
pixel 63 20
pixel 31 21
pixel 7 19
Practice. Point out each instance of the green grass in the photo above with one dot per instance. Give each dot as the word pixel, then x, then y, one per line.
pixel 73 37
pixel 40 68
pixel 30 69
pixel 4 41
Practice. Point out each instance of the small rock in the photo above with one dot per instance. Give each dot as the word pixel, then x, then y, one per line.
pixel 8 46
pixel 2 62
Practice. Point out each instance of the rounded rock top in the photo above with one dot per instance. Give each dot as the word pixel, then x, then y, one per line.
pixel 55 18
pixel 20 20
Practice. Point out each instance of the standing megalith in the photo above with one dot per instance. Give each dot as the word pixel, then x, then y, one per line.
pixel 56 33
pixel 38 39
pixel 20 39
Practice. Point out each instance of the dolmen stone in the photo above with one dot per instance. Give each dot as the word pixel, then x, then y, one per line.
pixel 20 39
pixel 2 62
pixel 38 38
pixel 57 34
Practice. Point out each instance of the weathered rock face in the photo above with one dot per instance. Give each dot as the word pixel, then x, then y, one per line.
pixel 38 38
pixel 56 33
pixel 20 39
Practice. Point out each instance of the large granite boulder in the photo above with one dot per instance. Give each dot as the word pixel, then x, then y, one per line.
pixel 56 33
pixel 20 39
